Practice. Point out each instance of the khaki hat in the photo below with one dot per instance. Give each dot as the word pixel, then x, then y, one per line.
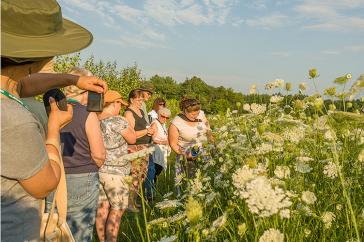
pixel 165 112
pixel 146 87
pixel 112 96
pixel 35 29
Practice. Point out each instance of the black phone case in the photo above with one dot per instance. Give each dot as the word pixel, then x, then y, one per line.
pixel 60 98
pixel 95 102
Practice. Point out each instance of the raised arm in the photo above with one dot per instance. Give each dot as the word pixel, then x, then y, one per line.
pixel 39 83
pixel 94 136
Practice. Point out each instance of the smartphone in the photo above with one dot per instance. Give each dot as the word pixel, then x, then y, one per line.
pixel 95 102
pixel 60 98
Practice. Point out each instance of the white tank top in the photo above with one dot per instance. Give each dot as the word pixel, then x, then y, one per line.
pixel 191 135
pixel 162 134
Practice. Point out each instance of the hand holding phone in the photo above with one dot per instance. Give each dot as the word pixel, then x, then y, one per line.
pixel 58 96
pixel 95 102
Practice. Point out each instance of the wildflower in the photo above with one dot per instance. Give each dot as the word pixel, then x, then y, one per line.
pixel 339 207
pixel 330 91
pixel 238 104
pixel 276 99
pixel 330 170
pixel 193 210
pixel 278 83
pixel 177 217
pixel 285 213
pixel 328 218
pixel 299 104
pixel 308 197
pixel 302 86
pixel 282 172
pixel 332 107
pixel 307 232
pixel 348 76
pixel 258 108
pixel 272 235
pixel 349 104
pixel 169 239
pixel 341 80
pixel 262 199
pixel 157 221
pixel 312 73
pixel 288 87
pixel 219 222
pixel 165 204
pixel 318 103
pixel 253 89
pixel 242 229
pixel 304 209
pixel 302 167
pixel 246 107
pixel 330 135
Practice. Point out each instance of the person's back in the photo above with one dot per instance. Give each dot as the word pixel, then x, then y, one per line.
pixel 76 148
pixel 19 163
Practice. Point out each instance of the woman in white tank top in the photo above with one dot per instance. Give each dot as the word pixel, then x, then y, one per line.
pixel 188 130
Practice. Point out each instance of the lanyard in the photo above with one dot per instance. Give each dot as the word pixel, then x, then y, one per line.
pixel 11 96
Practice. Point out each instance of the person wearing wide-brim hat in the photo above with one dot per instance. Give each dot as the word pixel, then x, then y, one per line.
pixel 32 32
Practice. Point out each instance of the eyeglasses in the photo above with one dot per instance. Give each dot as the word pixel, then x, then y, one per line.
pixel 161 104
pixel 162 116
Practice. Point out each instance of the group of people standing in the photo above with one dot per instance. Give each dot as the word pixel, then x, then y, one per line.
pixel 107 157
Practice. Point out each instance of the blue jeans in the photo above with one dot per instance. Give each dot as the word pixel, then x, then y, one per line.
pixel 82 197
pixel 149 182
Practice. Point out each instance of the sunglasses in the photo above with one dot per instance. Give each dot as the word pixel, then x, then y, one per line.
pixel 162 116
pixel 161 104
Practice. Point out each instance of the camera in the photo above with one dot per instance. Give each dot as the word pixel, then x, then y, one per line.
pixel 58 96
pixel 95 102
pixel 195 150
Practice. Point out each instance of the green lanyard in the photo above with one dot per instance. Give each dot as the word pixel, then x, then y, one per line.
pixel 11 96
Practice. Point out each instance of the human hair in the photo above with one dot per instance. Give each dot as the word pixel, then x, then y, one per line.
pixel 79 71
pixel 189 105
pixel 156 103
pixel 135 94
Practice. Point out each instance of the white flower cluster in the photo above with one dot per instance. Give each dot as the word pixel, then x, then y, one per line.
pixel 253 89
pixel 331 170
pixel 295 134
pixel 245 174
pixel 276 99
pixel 169 239
pixel 264 200
pixel 361 156
pixel 330 135
pixel 168 204
pixel 219 223
pixel 282 172
pixel 272 235
pixel 308 197
pixel 328 218
pixel 302 165
pixel 274 84
pixel 255 108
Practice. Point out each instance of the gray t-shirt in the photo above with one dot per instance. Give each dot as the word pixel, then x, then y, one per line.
pixel 23 154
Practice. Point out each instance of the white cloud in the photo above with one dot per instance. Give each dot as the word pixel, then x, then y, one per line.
pixel 268 22
pixel 331 15
pixel 128 13
pixel 330 52
pixel 281 54
pixel 354 48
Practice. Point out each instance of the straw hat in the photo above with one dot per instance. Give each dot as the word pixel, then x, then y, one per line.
pixel 35 29
pixel 112 96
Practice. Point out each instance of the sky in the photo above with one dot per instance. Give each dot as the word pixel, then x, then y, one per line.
pixel 227 42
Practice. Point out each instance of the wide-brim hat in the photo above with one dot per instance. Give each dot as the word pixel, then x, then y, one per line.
pixel 36 29
pixel 146 87
pixel 112 96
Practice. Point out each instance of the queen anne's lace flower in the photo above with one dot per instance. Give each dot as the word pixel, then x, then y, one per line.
pixel 330 170
pixel 282 172
pixel 262 199
pixel 168 204
pixel 272 235
pixel 308 197
pixel 328 218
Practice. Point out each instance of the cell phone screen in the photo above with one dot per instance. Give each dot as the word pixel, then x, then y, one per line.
pixel 95 102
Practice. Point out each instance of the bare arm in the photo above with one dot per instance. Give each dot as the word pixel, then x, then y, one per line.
pixel 173 139
pixel 129 135
pixel 39 83
pixel 160 142
pixel 50 172
pixel 94 136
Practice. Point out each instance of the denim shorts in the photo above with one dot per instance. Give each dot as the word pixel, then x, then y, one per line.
pixel 82 199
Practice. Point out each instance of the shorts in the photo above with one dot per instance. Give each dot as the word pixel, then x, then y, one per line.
pixel 115 190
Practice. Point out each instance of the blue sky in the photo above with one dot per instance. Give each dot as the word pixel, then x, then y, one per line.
pixel 227 42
